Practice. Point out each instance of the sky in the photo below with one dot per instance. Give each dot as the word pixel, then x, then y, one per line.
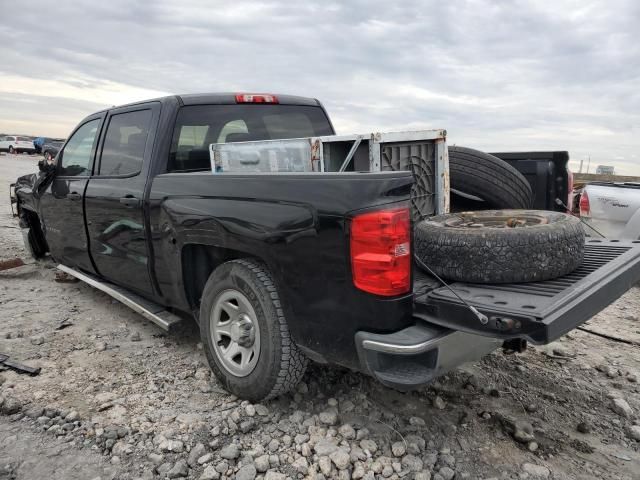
pixel 497 75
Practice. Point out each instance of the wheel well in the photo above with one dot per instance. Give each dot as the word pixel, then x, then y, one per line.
pixel 198 262
pixel 31 219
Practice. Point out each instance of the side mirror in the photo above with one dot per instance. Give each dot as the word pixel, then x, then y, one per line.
pixel 46 167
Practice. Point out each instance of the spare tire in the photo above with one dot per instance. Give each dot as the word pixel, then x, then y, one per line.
pixel 500 246
pixel 493 180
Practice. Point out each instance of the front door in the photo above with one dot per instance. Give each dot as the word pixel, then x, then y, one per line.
pixel 114 198
pixel 61 203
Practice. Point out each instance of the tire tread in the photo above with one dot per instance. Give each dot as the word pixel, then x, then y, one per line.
pixel 490 255
pixel 488 177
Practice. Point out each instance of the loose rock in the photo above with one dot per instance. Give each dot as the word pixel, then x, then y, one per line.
pixel 584 427
pixel 325 465
pixel 210 473
pixel 622 408
pixel 634 432
pixel 272 475
pixel 195 453
pixel 179 470
pixel 416 422
pixel 447 473
pixel 262 463
pixel 347 432
pixel 523 432
pixel 536 471
pixel 230 452
pixel 422 476
pixel 341 459
pixel 328 417
pixel 325 447
pixel 261 410
pixel 438 402
pixel 247 472
pixel 398 449
pixel 301 465
pixel 369 445
pixel 175 446
pixel 412 463
pixel 10 406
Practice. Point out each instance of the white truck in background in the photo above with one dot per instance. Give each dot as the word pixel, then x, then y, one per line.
pixel 612 209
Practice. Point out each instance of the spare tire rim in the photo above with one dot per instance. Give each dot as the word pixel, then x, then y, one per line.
pixel 484 220
pixel 235 333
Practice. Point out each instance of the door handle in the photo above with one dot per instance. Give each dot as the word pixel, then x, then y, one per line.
pixel 74 196
pixel 130 201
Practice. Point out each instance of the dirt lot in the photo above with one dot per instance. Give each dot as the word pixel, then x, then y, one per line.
pixel 117 398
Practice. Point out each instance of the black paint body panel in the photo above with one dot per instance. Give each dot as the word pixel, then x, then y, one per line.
pixel 298 226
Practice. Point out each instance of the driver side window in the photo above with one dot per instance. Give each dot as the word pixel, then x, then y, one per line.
pixel 76 156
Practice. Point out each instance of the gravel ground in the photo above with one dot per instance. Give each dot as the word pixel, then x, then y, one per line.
pixel 117 398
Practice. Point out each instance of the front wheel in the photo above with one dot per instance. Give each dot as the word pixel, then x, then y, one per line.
pixel 11 150
pixel 245 334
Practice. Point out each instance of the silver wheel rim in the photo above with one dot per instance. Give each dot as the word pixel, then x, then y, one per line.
pixel 235 333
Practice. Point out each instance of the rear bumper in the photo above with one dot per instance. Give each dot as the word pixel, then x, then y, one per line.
pixel 416 355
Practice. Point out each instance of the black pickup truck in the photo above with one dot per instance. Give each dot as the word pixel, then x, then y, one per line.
pixel 263 261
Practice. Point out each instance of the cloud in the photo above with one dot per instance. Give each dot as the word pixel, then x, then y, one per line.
pixel 497 75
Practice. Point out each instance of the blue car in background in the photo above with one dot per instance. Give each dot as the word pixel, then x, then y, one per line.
pixel 48 146
pixel 38 143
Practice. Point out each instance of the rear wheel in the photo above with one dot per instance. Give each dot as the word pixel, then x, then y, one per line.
pixel 11 150
pixel 245 334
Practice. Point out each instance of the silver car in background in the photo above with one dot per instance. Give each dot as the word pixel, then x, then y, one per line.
pixel 17 144
pixel 612 209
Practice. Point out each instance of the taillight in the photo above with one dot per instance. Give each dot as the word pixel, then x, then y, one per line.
pixel 256 98
pixel 381 251
pixel 585 209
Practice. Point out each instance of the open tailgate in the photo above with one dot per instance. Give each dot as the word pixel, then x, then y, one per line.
pixel 539 311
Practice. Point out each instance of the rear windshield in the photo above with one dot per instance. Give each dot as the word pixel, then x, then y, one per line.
pixel 198 126
pixel 23 139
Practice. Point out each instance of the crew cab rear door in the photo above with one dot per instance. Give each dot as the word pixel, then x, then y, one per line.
pixel 538 311
pixel 61 203
pixel 114 198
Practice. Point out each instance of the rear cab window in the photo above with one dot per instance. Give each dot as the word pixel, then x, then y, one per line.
pixel 198 126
